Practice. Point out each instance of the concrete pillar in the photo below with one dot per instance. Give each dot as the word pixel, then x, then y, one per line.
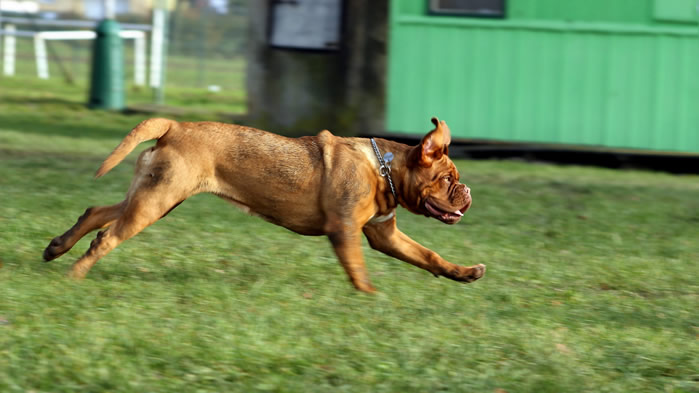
pixel 301 92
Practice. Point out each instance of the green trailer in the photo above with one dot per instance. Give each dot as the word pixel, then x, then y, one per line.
pixel 619 74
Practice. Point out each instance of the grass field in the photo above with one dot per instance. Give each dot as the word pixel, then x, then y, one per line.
pixel 591 283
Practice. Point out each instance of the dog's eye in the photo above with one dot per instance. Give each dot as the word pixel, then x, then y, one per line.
pixel 447 179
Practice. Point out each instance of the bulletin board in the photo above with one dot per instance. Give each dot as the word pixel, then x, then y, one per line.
pixel 306 24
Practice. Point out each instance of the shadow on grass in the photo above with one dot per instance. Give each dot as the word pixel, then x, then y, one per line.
pixel 30 124
pixel 64 117
pixel 68 118
pixel 27 159
pixel 245 276
pixel 67 103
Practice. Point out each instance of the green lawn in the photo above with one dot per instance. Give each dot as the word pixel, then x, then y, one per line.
pixel 591 283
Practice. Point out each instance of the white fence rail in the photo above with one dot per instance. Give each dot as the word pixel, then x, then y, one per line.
pixel 139 37
pixel 10 33
pixel 87 24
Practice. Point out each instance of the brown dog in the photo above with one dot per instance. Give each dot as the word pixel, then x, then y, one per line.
pixel 322 185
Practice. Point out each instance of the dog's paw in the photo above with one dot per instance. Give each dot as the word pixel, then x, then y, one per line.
pixel 76 274
pixel 54 249
pixel 465 274
pixel 478 271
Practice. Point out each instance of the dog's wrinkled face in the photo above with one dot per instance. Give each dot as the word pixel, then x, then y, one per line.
pixel 435 190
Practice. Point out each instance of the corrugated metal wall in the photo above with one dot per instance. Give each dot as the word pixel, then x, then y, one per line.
pixel 601 83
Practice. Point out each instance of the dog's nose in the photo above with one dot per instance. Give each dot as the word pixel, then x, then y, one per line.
pixel 467 190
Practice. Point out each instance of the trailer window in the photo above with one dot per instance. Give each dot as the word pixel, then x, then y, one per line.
pixel 480 8
pixel 676 11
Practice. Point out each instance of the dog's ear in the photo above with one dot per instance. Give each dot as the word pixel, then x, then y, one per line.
pixel 433 146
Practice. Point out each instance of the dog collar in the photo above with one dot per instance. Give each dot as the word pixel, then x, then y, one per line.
pixel 385 166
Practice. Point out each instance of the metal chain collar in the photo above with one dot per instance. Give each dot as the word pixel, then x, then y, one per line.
pixel 385 166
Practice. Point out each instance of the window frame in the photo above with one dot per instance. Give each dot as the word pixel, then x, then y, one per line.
pixel 431 10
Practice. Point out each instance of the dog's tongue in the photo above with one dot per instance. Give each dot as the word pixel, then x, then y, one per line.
pixel 440 213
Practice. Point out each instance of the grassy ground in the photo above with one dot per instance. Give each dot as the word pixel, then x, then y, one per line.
pixel 591 283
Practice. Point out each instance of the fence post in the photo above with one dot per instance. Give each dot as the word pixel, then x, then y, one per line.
pixel 9 50
pixel 139 59
pixel 42 62
pixel 158 52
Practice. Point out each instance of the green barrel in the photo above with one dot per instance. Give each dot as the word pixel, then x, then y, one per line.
pixel 107 79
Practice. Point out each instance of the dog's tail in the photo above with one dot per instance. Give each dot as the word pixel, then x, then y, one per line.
pixel 145 131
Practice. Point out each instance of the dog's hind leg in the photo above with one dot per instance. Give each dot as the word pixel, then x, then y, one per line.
pixel 162 180
pixel 94 218
pixel 143 209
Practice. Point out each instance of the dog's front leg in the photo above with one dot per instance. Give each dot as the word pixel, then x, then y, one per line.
pixel 348 247
pixel 387 238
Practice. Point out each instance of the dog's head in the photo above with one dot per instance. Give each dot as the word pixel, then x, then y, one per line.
pixel 433 187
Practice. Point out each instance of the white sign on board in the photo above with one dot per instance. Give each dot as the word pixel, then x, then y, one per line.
pixel 306 24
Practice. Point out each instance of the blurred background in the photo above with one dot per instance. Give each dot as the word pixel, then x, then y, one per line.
pixel 543 74
pixel 592 272
pixel 206 39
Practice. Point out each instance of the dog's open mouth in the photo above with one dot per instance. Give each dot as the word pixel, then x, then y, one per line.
pixel 448 217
